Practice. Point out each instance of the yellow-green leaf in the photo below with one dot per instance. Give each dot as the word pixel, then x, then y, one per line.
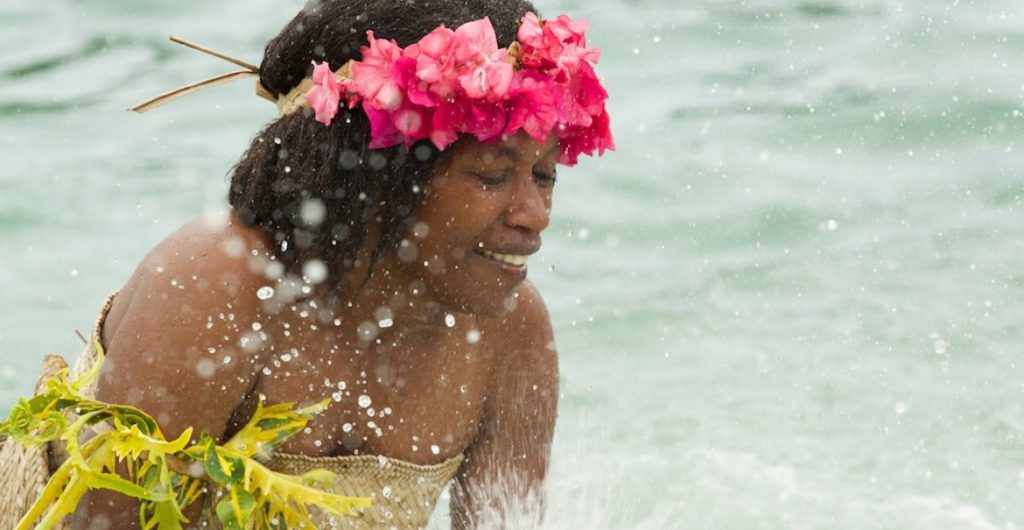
pixel 235 508
pixel 222 467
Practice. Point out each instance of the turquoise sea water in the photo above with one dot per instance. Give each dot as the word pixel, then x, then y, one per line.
pixel 791 300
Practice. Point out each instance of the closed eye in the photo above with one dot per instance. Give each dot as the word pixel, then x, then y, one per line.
pixel 546 179
pixel 490 181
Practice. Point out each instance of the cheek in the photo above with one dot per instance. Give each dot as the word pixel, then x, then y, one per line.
pixel 449 229
pixel 444 252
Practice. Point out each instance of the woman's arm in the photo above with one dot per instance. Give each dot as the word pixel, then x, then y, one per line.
pixel 504 470
pixel 173 350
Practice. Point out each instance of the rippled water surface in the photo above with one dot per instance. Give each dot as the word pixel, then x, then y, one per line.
pixel 791 299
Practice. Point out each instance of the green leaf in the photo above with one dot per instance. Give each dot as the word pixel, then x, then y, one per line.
pixel 235 508
pixel 223 467
pixel 254 495
pixel 270 427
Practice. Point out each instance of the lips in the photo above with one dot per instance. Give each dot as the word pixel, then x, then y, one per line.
pixel 516 260
pixel 509 261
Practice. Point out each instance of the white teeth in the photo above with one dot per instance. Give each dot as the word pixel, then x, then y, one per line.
pixel 516 260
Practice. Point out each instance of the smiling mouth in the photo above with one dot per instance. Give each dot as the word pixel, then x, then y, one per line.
pixel 515 260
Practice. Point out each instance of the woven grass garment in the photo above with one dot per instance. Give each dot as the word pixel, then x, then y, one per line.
pixel 25 470
pixel 404 494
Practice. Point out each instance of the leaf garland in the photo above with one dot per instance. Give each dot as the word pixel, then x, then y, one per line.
pixel 169 475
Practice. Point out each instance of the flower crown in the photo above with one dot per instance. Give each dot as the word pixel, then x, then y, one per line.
pixel 456 82
pixel 453 82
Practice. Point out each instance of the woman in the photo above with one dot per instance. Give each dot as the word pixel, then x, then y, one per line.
pixel 375 259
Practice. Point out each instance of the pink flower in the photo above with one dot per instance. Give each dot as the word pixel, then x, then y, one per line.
pixel 584 97
pixel 447 120
pixel 586 140
pixel 383 132
pixel 530 31
pixel 557 46
pixel 485 121
pixel 568 31
pixel 435 62
pixel 459 82
pixel 375 76
pixel 413 121
pixel 534 100
pixel 325 96
pixel 482 69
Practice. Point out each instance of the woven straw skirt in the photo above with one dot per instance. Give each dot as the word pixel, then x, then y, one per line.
pixel 24 471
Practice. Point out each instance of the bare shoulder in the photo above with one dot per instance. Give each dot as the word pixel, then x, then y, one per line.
pixel 211 254
pixel 507 463
pixel 525 330
pixel 176 334
pixel 526 360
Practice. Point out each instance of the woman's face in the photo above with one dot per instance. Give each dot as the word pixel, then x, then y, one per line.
pixel 480 218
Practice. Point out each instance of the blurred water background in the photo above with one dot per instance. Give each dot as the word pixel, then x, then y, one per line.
pixel 791 300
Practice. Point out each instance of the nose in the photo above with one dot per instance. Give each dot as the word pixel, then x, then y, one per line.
pixel 530 207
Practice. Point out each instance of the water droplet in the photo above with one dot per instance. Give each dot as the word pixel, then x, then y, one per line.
pixel 435 449
pixel 312 212
pixel 449 320
pixel 315 271
pixel 367 330
pixel 364 401
pixel 386 491
pixel 473 336
pixel 274 270
pixel 420 230
pixel 347 427
pixel 265 292
pixel 205 368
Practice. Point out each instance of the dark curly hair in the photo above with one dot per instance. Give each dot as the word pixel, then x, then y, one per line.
pixel 317 190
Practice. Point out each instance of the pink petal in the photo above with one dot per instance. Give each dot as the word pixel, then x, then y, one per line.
pixel 534 105
pixel 475 38
pixel 419 93
pixel 383 133
pixel 409 121
pixel 529 30
pixel 437 43
pixel 325 96
pixel 486 122
pixel 389 97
